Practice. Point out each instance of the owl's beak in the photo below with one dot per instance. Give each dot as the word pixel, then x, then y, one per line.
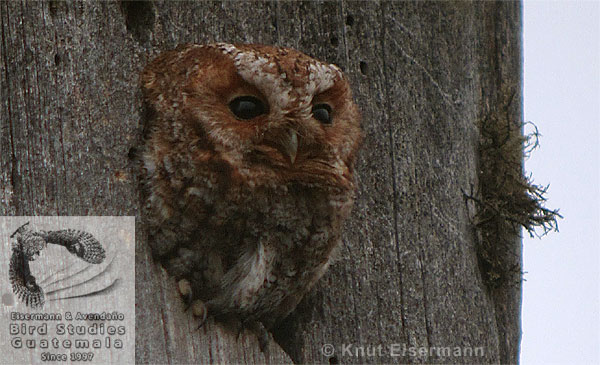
pixel 285 140
pixel 292 146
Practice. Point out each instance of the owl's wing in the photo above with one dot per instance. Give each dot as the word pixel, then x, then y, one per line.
pixel 78 243
pixel 23 283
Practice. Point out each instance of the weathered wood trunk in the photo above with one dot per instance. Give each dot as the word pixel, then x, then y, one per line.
pixel 424 75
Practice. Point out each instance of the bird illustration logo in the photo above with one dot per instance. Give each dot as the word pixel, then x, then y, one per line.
pixel 29 243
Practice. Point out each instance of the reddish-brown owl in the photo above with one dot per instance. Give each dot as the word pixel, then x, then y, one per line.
pixel 248 168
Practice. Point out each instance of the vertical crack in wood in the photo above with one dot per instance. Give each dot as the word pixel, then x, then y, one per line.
pixel 392 167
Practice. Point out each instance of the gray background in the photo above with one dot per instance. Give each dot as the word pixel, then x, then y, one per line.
pixel 562 97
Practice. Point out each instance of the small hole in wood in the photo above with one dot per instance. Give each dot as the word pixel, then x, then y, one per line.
pixel 132 153
pixel 334 41
pixel 363 67
pixel 349 20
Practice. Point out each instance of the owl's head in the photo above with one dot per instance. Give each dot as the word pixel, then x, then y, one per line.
pixel 265 115
pixel 31 244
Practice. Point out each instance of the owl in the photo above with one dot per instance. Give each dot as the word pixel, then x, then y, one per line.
pixel 28 244
pixel 248 174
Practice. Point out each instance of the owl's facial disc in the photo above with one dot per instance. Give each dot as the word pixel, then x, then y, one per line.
pixel 32 246
pixel 34 255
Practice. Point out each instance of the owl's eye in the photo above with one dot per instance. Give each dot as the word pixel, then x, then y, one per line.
pixel 247 107
pixel 322 113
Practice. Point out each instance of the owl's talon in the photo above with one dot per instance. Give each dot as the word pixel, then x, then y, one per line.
pixel 202 322
pixel 200 311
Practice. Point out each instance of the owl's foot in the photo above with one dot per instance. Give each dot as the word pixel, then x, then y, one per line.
pixel 198 307
pixel 201 309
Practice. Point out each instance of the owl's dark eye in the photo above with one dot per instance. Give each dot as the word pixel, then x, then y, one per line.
pixel 247 107
pixel 322 113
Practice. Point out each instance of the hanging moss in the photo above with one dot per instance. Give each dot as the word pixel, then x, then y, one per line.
pixel 506 200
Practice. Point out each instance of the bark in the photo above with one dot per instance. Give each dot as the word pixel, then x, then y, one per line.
pixel 424 76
